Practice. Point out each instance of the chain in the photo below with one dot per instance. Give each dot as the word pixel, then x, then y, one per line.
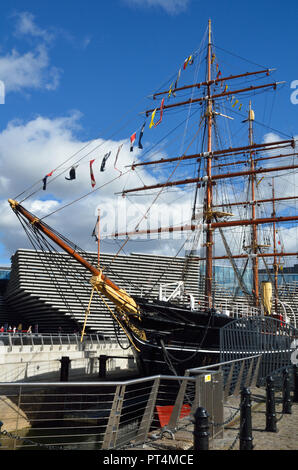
pixel 229 419
pixel 29 441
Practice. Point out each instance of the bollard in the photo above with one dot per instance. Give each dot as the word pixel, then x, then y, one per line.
pixel 245 421
pixel 295 372
pixel 201 429
pixel 65 362
pixel 102 366
pixel 270 406
pixel 286 394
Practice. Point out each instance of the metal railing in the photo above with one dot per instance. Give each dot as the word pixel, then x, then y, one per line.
pixel 52 339
pixel 95 415
pixel 116 415
pixel 237 373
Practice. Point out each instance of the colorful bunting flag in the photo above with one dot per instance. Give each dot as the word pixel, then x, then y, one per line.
pixel 177 79
pixel 95 232
pixel 187 61
pixel 141 135
pixel 72 173
pixel 93 182
pixel 152 118
pixel 118 151
pixel 132 139
pixel 45 180
pixel 103 163
pixel 161 112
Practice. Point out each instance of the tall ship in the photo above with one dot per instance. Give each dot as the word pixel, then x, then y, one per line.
pixel 234 217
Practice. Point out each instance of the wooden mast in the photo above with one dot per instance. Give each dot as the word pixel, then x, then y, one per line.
pixel 98 239
pixel 254 229
pixel 208 202
pixel 275 265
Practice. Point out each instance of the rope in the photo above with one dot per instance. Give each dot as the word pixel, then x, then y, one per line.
pixel 86 314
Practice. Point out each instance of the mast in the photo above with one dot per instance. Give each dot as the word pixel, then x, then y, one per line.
pixel 208 204
pixel 275 265
pixel 254 230
pixel 98 239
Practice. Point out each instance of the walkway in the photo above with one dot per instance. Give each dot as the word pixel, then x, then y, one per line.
pixel 286 437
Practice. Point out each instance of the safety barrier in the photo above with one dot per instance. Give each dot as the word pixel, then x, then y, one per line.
pixel 53 339
pixel 245 435
pixel 115 415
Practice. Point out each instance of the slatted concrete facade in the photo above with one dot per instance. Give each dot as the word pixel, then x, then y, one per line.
pixel 53 290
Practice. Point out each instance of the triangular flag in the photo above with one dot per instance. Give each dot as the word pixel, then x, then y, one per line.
pixel 72 173
pixel 118 151
pixel 93 182
pixel 45 180
pixel 237 101
pixel 177 80
pixel 152 118
pixel 161 112
pixel 95 233
pixel 103 163
pixel 141 135
pixel 132 139
pixel 187 61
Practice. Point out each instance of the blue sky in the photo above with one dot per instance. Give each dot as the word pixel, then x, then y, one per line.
pixel 79 66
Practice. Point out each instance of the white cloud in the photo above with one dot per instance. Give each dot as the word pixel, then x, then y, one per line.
pixel 28 71
pixel 24 71
pixel 28 151
pixel 26 26
pixel 173 7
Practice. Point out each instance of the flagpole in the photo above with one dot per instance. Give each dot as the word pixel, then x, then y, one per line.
pixel 98 238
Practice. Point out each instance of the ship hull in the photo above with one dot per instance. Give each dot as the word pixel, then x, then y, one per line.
pixel 176 338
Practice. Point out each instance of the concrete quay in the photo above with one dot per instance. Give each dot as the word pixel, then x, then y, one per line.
pixel 285 439
pixel 38 357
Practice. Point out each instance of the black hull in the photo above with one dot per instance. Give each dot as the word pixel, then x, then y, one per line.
pixel 177 338
pixel 169 360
